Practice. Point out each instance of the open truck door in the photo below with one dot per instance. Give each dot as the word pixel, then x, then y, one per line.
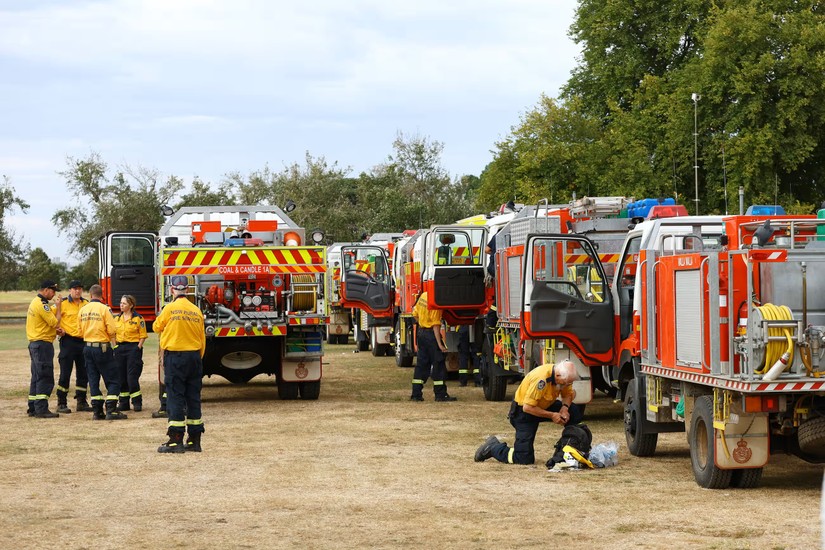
pixel 556 303
pixel 127 265
pixel 454 269
pixel 366 281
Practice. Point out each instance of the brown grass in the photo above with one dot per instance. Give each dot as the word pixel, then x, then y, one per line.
pixel 362 467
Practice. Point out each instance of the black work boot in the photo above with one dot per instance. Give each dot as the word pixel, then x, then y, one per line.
pixel 62 405
pixel 46 414
pixel 82 404
pixel 161 412
pixel 445 397
pixel 97 410
pixel 175 443
pixel 137 404
pixel 112 412
pixel 123 403
pixel 486 450
pixel 193 443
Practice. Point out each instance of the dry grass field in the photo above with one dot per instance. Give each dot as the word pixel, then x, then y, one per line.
pixel 362 467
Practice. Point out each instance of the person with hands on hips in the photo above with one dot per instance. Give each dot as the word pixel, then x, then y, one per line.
pixel 430 360
pixel 131 335
pixel 545 394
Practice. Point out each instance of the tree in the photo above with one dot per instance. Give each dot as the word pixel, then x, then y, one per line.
pixel 202 194
pixel 411 189
pixel 131 202
pixel 12 250
pixel 625 122
pixel 39 267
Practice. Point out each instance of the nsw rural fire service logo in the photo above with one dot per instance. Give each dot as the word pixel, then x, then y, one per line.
pixel 301 371
pixel 742 453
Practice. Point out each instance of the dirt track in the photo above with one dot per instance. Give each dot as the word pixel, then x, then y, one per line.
pixel 363 467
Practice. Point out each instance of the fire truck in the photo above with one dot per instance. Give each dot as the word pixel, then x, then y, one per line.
pixel 340 322
pixel 259 286
pixel 510 349
pixel 372 328
pixel 447 261
pixel 713 326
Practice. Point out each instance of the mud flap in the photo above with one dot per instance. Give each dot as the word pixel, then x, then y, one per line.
pixel 745 441
pixel 301 370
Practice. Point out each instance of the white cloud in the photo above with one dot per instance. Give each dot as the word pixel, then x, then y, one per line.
pixel 209 86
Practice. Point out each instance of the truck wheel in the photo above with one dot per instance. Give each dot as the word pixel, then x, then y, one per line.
pixel 638 442
pixel 493 383
pixel 287 390
pixel 403 358
pixel 703 449
pixel 310 390
pixel 378 350
pixel 495 388
pixel 746 478
pixel 812 436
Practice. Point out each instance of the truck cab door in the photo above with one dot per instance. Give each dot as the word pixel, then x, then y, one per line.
pixel 127 264
pixel 564 296
pixel 454 267
pixel 366 281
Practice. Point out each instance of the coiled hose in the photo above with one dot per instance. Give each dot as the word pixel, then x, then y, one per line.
pixel 776 348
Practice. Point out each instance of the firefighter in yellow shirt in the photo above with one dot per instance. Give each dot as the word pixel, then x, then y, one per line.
pixel 545 394
pixel 99 331
pixel 431 349
pixel 41 329
pixel 71 351
pixel 131 335
pixel 183 341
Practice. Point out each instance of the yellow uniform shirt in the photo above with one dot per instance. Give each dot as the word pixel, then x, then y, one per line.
pixel 180 325
pixel 131 330
pixel 97 324
pixel 41 321
pixel 70 315
pixel 540 390
pixel 427 318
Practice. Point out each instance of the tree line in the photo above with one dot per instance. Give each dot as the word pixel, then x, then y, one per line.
pixel 689 99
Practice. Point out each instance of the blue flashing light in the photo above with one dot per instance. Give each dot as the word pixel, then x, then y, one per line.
pixel 765 210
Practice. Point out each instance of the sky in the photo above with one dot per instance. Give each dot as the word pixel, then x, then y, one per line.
pixel 208 87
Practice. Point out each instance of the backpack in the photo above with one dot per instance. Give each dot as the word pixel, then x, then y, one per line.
pixel 577 436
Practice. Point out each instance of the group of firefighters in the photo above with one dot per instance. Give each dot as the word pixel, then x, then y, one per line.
pixel 98 344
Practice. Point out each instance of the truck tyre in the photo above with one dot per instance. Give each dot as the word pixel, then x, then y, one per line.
pixel 493 383
pixel 403 358
pixel 378 350
pixel 638 442
pixel 745 478
pixel 702 447
pixel 812 437
pixel 310 390
pixel 287 390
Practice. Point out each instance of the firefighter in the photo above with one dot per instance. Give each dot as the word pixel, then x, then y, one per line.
pixel 546 393
pixel 183 341
pixel 99 332
pixel 131 335
pixel 71 351
pixel 468 354
pixel 431 350
pixel 42 326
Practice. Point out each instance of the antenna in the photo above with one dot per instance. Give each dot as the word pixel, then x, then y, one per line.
pixel 725 178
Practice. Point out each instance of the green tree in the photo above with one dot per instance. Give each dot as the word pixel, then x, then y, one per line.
pixel 12 249
pixel 757 67
pixel 412 189
pixel 130 201
pixel 202 194
pixel 39 267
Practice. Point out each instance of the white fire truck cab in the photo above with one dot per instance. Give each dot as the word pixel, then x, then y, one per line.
pixel 260 288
